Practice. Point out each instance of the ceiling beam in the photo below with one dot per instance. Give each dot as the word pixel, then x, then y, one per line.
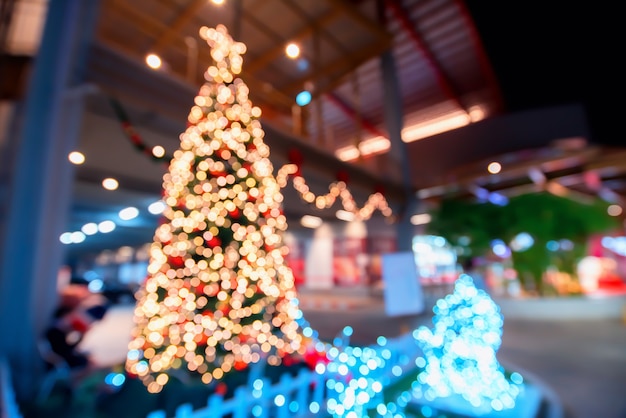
pixel 268 56
pixel 443 80
pixel 348 110
pixel 368 24
pixel 337 70
pixel 481 54
pixel 317 29
pixel 173 29
pixel 151 26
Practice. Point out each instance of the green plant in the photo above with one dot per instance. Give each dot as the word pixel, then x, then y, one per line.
pixel 546 217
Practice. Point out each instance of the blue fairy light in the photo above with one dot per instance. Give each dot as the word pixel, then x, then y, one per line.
pixel 460 351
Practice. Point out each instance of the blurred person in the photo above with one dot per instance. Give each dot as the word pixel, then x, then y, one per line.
pixel 75 315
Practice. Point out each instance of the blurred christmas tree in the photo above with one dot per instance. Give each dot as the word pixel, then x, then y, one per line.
pixel 460 352
pixel 219 295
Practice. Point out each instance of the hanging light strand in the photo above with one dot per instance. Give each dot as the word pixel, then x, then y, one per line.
pixel 338 189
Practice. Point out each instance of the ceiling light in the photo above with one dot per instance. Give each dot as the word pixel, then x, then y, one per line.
pixel 106 226
pixel 435 126
pixel 110 183
pixel 348 153
pixel 89 228
pixel 158 151
pixel 476 113
pixel 77 237
pixel 128 213
pixel 303 98
pixel 217 2
pixel 153 61
pixel 292 50
pixel 420 219
pixel 494 167
pixel 309 221
pixel 614 210
pixel 156 208
pixel 76 157
pixel 344 215
pixel 371 146
pixel 66 238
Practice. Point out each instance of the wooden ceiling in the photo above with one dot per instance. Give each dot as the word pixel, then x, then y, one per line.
pixel 440 66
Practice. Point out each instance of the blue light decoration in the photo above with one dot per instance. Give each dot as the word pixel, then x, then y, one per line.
pixel 358 376
pixel 303 98
pixel 460 352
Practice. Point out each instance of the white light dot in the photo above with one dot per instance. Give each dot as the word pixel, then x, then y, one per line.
pixel 292 50
pixel 217 2
pixel 76 157
pixel 494 167
pixel 89 228
pixel 78 237
pixel 153 61
pixel 110 184
pixel 106 226
pixel 614 210
pixel 156 208
pixel 128 213
pixel 158 151
pixel 66 238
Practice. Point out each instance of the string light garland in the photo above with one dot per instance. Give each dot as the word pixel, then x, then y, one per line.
pixel 133 136
pixel 218 294
pixel 339 189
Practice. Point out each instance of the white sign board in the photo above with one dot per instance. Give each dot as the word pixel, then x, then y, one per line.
pixel 402 291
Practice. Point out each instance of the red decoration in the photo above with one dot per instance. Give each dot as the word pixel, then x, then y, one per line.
pixel 240 365
pixel 217 173
pixel 342 175
pixel 201 339
pixel 313 357
pixel 235 213
pixel 221 388
pixel 176 262
pixel 214 242
pixel 295 157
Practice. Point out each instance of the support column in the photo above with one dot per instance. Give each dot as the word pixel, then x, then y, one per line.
pixel 40 187
pixel 393 120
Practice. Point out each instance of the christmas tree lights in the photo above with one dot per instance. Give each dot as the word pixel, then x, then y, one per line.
pixel 218 294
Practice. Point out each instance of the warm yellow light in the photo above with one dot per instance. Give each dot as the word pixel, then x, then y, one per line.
pixel 435 126
pixel 344 215
pixel 420 219
pixel 476 113
pixel 348 153
pixel 614 210
pixel 158 151
pixel 494 167
pixel 309 221
pixel 110 183
pixel 292 50
pixel 217 2
pixel 153 61
pixel 76 157
pixel 371 146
